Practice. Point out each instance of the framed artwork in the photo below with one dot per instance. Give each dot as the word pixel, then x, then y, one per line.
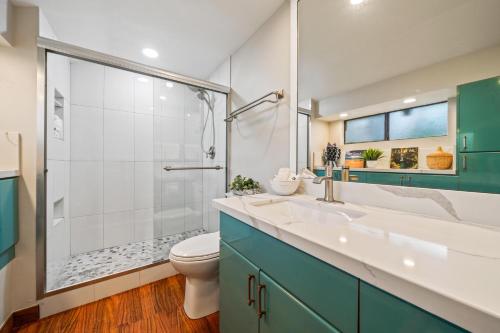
pixel 404 158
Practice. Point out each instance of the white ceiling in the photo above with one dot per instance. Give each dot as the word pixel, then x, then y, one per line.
pixel 344 47
pixel 192 37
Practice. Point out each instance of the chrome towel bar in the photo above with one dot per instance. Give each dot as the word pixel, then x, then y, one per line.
pixel 169 168
pixel 278 94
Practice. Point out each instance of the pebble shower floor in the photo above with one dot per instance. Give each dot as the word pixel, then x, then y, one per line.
pixel 96 264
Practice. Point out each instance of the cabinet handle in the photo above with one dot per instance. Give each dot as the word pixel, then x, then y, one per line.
pixel 261 312
pixel 353 178
pixel 465 142
pixel 250 279
pixel 464 162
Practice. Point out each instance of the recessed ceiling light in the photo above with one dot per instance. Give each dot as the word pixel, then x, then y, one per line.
pixel 409 262
pixel 356 2
pixel 150 53
pixel 142 79
pixel 342 239
pixel 169 84
pixel 409 100
pixel 343 115
pixel 163 98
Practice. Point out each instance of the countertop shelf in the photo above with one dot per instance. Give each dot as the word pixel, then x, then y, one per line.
pixel 9 173
pixel 412 171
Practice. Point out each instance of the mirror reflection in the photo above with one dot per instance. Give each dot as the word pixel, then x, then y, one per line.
pixel 407 90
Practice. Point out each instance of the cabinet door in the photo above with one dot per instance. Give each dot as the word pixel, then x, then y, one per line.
pixel 479 116
pixel 479 172
pixel 385 178
pixel 286 314
pixel 433 181
pixel 238 280
pixel 9 233
pixel 381 312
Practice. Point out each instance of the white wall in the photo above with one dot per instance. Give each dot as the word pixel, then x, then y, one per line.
pixel 447 74
pixel 260 138
pixel 18 113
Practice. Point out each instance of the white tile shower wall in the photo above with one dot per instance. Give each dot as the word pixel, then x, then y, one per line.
pixel 118 136
pixel 119 89
pixel 118 187
pixel 86 233
pixel 87 84
pixel 86 188
pixel 86 133
pixel 118 228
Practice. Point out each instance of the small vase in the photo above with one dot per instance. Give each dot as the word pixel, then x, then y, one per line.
pixel 371 164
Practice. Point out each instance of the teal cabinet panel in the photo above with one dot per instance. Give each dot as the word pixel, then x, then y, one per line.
pixel 381 312
pixel 479 172
pixel 286 314
pixel 326 290
pixel 238 280
pixel 6 256
pixel 444 182
pixel 357 176
pixel 479 116
pixel 385 178
pixel 9 226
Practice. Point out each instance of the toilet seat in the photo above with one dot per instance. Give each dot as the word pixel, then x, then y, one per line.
pixel 198 248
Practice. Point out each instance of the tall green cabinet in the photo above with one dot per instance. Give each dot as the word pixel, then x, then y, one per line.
pixel 479 116
pixel 478 138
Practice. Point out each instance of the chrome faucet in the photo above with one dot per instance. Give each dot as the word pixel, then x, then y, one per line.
pixel 328 179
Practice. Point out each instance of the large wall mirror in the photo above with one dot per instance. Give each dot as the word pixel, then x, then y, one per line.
pixel 408 90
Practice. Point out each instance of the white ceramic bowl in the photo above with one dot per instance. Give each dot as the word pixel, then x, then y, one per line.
pixel 285 187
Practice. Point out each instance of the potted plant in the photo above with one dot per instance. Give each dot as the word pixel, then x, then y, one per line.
pixel 244 186
pixel 371 156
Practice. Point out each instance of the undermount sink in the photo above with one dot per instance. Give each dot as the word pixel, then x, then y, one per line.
pixel 293 211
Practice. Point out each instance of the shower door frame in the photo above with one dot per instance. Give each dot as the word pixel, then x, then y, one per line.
pixel 52 46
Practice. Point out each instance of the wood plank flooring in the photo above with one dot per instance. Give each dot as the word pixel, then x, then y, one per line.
pixel 156 307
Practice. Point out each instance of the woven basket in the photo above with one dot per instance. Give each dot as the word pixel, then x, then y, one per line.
pixel 440 160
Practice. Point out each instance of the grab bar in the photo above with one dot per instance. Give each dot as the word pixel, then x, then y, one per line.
pixel 169 168
pixel 277 93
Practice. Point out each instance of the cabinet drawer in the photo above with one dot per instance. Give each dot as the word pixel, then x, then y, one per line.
pixel 328 291
pixel 381 312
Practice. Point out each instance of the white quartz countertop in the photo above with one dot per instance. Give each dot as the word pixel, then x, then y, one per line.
pixel 449 269
pixel 8 173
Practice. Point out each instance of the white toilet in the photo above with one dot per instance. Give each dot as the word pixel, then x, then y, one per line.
pixel 198 259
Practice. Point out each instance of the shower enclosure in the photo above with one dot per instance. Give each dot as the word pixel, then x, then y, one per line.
pixel 132 163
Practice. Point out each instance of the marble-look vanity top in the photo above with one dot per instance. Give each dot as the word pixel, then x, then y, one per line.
pixel 8 173
pixel 449 269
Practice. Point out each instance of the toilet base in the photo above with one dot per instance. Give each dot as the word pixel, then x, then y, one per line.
pixel 201 297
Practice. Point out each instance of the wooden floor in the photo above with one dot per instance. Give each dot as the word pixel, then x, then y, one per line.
pixel 155 307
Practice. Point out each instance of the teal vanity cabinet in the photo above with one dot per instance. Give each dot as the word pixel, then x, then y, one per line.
pixel 381 312
pixel 268 286
pixel 252 302
pixel 479 116
pixel 479 172
pixel 293 285
pixel 9 229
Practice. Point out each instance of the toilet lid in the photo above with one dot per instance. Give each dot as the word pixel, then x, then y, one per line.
pixel 206 245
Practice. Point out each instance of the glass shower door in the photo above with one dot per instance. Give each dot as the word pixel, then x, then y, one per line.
pixel 111 205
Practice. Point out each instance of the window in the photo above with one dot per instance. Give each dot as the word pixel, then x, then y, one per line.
pixel 419 122
pixel 365 129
